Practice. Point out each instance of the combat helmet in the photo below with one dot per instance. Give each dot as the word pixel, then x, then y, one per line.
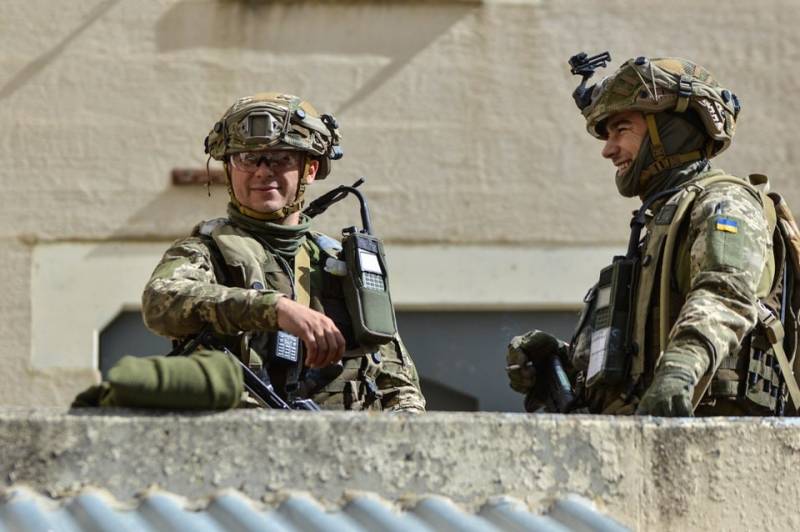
pixel 654 85
pixel 274 121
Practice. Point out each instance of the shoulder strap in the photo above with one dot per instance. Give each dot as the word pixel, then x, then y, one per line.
pixel 217 260
pixel 775 334
pixel 685 201
pixel 328 244
pixel 302 276
pixel 689 194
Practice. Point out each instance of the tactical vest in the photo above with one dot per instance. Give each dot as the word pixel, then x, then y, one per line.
pixel 755 373
pixel 244 262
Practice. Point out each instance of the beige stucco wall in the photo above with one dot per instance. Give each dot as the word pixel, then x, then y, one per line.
pixel 458 112
pixel 649 474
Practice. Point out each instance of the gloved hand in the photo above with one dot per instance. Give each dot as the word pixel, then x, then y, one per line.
pixel 670 394
pixel 523 352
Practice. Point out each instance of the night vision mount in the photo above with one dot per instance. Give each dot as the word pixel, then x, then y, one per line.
pixel 583 65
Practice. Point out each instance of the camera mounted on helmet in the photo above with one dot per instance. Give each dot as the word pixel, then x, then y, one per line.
pixel 583 65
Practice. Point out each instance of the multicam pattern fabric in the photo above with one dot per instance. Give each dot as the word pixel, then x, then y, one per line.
pixel 293 124
pixel 183 295
pixel 725 269
pixel 655 85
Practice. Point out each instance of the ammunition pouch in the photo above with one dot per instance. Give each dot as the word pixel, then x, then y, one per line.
pixel 355 388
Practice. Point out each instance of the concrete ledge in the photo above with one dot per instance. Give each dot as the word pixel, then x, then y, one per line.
pixel 649 474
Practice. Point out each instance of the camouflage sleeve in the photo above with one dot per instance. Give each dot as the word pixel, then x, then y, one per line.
pixel 728 239
pixel 398 380
pixel 183 295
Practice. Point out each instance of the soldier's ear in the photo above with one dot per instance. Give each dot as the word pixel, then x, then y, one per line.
pixel 313 168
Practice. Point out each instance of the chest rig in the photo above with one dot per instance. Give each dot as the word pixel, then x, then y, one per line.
pixel 241 260
pixel 630 312
pixel 346 281
pixel 761 372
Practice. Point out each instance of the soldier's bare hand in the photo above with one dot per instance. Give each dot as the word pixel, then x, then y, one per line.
pixel 323 342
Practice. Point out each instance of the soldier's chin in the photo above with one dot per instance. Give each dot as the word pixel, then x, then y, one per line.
pixel 622 173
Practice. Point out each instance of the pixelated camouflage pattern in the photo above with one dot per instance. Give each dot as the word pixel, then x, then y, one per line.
pixel 183 295
pixel 720 277
pixel 304 129
pixel 652 87
pixel 720 286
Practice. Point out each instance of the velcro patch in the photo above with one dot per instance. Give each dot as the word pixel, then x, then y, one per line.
pixel 725 244
pixel 727 225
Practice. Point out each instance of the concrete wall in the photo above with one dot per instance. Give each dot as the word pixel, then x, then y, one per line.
pixel 651 475
pixel 458 112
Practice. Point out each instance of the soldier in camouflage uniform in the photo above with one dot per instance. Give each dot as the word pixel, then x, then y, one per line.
pixel 662 120
pixel 240 275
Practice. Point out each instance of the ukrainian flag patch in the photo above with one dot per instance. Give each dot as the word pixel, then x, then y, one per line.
pixel 726 225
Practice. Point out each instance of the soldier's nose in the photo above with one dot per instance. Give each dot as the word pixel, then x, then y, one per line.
pixel 609 149
pixel 262 169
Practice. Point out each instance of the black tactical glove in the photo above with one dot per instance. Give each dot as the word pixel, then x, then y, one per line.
pixel 670 394
pixel 523 354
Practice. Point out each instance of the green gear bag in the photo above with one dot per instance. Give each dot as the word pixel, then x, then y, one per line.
pixel 205 380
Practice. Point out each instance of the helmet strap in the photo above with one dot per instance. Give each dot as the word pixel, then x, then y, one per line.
pixel 662 161
pixel 208 176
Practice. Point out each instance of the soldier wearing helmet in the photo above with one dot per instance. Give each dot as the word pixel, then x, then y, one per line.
pixel 692 284
pixel 262 269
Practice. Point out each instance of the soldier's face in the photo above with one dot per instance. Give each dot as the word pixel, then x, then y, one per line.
pixel 267 181
pixel 626 132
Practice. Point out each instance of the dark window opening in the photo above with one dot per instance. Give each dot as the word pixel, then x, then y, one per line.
pixel 460 355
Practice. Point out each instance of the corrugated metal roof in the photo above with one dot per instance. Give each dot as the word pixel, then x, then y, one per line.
pixel 22 509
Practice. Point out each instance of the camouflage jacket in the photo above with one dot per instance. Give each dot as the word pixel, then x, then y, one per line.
pixel 722 264
pixel 191 288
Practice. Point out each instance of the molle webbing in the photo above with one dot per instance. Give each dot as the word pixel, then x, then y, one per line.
pixel 651 258
pixel 302 276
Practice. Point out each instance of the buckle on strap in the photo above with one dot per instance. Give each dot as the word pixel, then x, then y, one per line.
pixel 773 327
pixel 684 92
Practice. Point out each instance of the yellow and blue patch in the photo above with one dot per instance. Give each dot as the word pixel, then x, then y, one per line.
pixel 727 225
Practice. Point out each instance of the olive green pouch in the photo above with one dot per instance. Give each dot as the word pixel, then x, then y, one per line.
pixel 205 380
pixel 366 290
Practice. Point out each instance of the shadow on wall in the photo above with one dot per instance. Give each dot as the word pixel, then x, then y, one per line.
pixel 396 30
pixel 173 213
pixel 40 63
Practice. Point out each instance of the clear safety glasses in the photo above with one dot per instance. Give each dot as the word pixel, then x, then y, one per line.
pixel 277 161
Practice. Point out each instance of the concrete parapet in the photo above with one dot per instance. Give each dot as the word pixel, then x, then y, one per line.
pixel 650 474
